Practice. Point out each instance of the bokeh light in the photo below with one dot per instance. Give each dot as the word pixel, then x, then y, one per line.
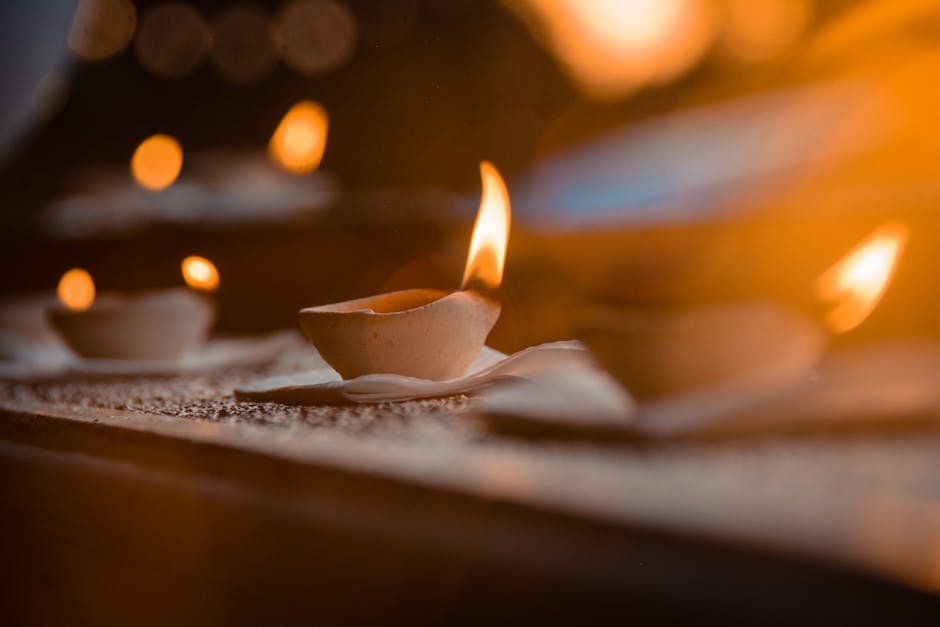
pixel 157 162
pixel 243 48
pixel 76 289
pixel 315 36
pixel 173 40
pixel 200 273
pixel 757 31
pixel 299 140
pixel 102 28
pixel 612 47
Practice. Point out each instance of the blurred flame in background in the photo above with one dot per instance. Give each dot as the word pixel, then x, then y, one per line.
pixel 857 282
pixel 487 255
pixel 200 273
pixel 612 47
pixel 76 289
pixel 156 162
pixel 298 142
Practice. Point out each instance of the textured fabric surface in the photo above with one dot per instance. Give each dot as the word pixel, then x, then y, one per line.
pixel 866 498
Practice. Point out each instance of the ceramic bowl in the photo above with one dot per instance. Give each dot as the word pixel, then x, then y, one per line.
pixel 665 352
pixel 422 333
pixel 155 325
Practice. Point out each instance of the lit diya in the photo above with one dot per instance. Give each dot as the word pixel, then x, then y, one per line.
pixel 152 325
pixel 747 343
pixel 422 333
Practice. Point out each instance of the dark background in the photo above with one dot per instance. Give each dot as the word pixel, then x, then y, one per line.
pixel 415 105
pixel 432 87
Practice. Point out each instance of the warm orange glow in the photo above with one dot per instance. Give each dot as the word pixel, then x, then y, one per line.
pixel 200 273
pixel 157 162
pixel 76 290
pixel 611 47
pixel 858 281
pixel 490 233
pixel 755 31
pixel 865 23
pixel 299 140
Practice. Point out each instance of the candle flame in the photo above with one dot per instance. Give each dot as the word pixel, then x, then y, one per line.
pixel 157 162
pixel 857 282
pixel 487 254
pixel 200 273
pixel 298 142
pixel 76 290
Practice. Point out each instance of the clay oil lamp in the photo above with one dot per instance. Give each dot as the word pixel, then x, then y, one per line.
pixel 159 324
pixel 749 344
pixel 422 333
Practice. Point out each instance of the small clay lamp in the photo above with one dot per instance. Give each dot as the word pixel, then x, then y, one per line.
pixel 667 352
pixel 152 325
pixel 423 333
pixel 752 343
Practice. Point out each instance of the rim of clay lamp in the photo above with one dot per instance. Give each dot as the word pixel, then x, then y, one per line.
pixel 424 333
pixel 367 305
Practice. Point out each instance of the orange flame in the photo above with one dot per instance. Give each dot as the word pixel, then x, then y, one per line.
pixel 76 290
pixel 487 255
pixel 857 282
pixel 298 142
pixel 157 162
pixel 200 273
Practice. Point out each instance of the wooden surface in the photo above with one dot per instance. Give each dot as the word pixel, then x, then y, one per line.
pixel 859 508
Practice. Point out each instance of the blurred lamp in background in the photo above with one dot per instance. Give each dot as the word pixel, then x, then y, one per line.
pixel 298 142
pixel 76 289
pixel 200 273
pixel 157 162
